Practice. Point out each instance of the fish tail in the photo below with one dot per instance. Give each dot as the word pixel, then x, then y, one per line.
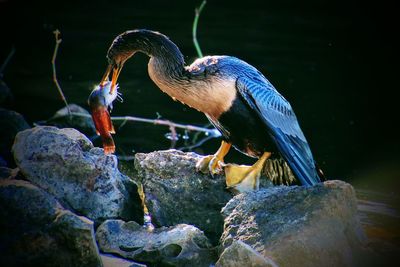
pixel 108 144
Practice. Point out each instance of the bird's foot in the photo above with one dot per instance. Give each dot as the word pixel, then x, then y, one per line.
pixel 214 163
pixel 211 163
pixel 244 178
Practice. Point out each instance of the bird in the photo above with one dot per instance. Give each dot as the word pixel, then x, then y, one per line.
pixel 238 100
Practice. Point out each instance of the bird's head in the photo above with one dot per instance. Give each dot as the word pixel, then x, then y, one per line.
pixel 128 43
pixel 121 49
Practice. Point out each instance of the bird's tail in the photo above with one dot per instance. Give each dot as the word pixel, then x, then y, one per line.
pixel 297 154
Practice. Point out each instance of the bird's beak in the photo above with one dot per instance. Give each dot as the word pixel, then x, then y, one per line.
pixel 116 69
pixel 104 80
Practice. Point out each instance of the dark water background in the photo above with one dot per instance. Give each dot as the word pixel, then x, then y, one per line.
pixel 335 61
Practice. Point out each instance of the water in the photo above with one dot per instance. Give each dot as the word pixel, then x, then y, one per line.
pixel 333 60
pixel 380 217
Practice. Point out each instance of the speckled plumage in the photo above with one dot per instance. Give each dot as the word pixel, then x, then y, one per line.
pixel 241 103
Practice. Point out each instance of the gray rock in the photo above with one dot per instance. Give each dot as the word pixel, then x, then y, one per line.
pixel 61 119
pixel 239 254
pixel 11 123
pixel 180 245
pixel 112 261
pixel 35 230
pixel 176 193
pixel 298 226
pixel 65 164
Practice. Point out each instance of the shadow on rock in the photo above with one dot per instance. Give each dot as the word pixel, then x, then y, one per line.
pixel 11 123
pixel 62 119
pixel 175 193
pixel 35 230
pixel 65 164
pixel 297 226
pixel 180 245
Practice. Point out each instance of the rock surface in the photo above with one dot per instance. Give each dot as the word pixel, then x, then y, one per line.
pixel 180 245
pixel 11 123
pixel 82 178
pixel 112 261
pixel 35 230
pixel 62 119
pixel 176 193
pixel 239 254
pixel 298 226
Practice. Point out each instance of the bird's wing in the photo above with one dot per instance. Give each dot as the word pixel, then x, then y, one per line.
pixel 283 126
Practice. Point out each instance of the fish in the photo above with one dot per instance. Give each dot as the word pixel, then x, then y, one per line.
pixel 101 102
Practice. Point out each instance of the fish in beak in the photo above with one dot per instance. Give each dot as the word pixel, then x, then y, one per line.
pixel 116 70
pixel 100 101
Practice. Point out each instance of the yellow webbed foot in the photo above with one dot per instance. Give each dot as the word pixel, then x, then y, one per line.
pixel 214 163
pixel 210 164
pixel 244 178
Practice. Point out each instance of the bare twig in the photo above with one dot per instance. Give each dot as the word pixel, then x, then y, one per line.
pixel 188 127
pixel 212 132
pixel 6 61
pixel 53 63
pixel 196 144
pixel 197 12
pixel 174 136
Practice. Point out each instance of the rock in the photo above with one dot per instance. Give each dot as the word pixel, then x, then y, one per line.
pixel 298 226
pixel 239 254
pixel 65 164
pixel 112 261
pixel 180 245
pixel 37 231
pixel 62 119
pixel 11 123
pixel 175 193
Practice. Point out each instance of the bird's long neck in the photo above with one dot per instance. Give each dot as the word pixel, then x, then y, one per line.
pixel 165 56
pixel 166 63
pixel 167 70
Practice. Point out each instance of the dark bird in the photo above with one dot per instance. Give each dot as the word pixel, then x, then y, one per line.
pixel 237 99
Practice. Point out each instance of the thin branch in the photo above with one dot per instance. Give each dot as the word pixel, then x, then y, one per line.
pixel 6 61
pixel 188 127
pixel 53 63
pixel 197 12
pixel 196 144
pixel 174 136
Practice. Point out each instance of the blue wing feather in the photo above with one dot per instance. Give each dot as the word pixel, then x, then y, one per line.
pixel 283 126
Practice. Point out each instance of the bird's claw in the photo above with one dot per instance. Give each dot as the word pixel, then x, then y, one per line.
pixel 210 164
